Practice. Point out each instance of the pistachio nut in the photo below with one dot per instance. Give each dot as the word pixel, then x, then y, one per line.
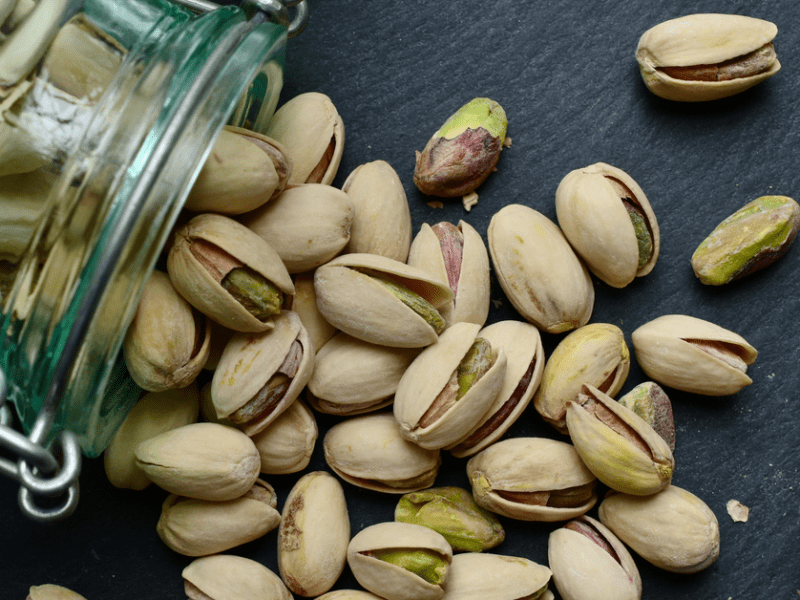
pixel 483 576
pixel 706 56
pixel 522 345
pixel 304 303
pixel 228 273
pixel 224 576
pixel 609 222
pixel 753 237
pixel 50 591
pixel 206 461
pixel 153 414
pixel 369 452
pixel 454 513
pixel 168 342
pixel 590 563
pixel 693 355
pixel 449 387
pixel 261 374
pixel 464 151
pixel 312 132
pixel 313 535
pixel 532 479
pixel 243 171
pixel 673 529
pixel 382 220
pixel 348 595
pixel 195 527
pixel 456 255
pixel 286 445
pixel 19 11
pixel 400 561
pixel 538 270
pixel 651 403
pixel 380 300
pixel 618 446
pixel 595 354
pixel 352 376
pixel 207 410
pixel 307 225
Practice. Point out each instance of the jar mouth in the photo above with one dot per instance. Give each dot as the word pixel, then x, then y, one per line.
pixel 113 205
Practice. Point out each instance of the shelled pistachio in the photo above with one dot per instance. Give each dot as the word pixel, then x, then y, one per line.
pixel 223 576
pixel 483 576
pixel 286 444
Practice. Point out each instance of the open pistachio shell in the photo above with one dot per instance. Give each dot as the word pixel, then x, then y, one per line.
pixel 456 256
pixel 693 355
pixel 426 381
pixel 368 451
pixel 538 270
pixel 532 479
pixel 351 299
pixel 223 576
pixel 390 580
pixel 483 576
pixel 608 220
pixel 286 444
pixel 260 375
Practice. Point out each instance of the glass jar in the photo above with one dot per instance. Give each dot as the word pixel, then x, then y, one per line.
pixel 107 112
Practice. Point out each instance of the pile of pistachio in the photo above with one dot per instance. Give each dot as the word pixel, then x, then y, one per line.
pixel 297 297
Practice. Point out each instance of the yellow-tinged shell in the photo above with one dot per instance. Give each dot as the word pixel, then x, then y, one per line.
pixel 485 576
pixel 223 576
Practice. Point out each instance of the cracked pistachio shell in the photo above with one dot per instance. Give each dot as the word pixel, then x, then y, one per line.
pixel 456 256
pixel 167 343
pixel 593 217
pixel 313 535
pixel 750 239
pixel 693 355
pixel 382 219
pixel 243 171
pixel 348 595
pixel 617 445
pixel 352 376
pixel 368 451
pixel 261 374
pixel 312 132
pixel 595 354
pixel 651 403
pixel 241 247
pixel 673 529
pixel 522 345
pixel 590 563
pixel 429 376
pixel 474 576
pixel 304 303
pixel 286 444
pixel 152 415
pixel 538 270
pixel 224 576
pixel 200 527
pixel 307 225
pixel 207 461
pixel 706 41
pixel 49 591
pixel 362 307
pixel 392 581
pixel 532 479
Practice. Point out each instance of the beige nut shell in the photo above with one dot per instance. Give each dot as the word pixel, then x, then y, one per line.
pixel 286 444
pixel 304 303
pixel 485 576
pixel 222 576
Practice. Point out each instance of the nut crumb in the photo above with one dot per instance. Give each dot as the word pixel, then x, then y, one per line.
pixel 507 142
pixel 470 200
pixel 738 511
pixel 435 204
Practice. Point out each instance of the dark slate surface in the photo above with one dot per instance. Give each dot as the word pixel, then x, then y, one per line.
pixel 565 74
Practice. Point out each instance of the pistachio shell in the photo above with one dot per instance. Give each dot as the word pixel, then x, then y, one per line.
pixel 427 377
pixel 667 350
pixel 348 595
pixel 593 217
pixel 362 307
pixel 352 376
pixel 49 591
pixel 306 225
pixel 286 444
pixel 463 264
pixel 389 580
pixel 522 345
pixel 538 270
pixel 202 460
pixel 223 576
pixel 674 529
pixel 304 303
pixel 595 354
pixel 368 451
pixel 699 40
pixel 251 363
pixel 483 576
pixel 532 479
pixel 382 220
pixel 312 132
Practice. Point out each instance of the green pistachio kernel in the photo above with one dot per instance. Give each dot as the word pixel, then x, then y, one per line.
pixel 473 366
pixel 427 564
pixel 415 302
pixel 260 297
pixel 643 238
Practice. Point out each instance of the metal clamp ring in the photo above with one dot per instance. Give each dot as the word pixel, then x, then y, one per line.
pixel 66 476
pixel 46 515
pixel 300 18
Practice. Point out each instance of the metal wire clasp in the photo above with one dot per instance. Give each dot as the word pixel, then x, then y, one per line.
pixel 277 10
